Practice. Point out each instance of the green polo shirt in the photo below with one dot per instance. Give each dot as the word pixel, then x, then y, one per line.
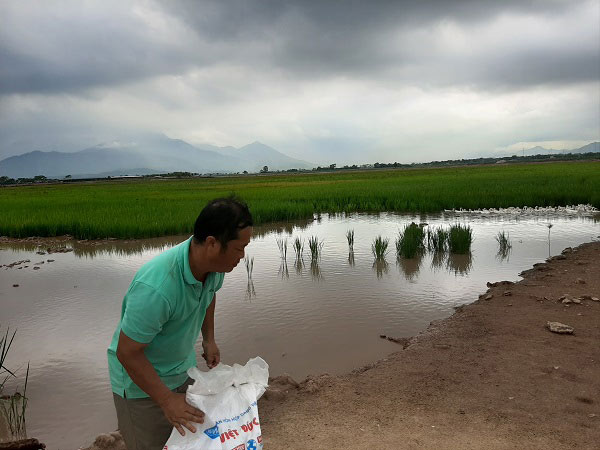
pixel 165 308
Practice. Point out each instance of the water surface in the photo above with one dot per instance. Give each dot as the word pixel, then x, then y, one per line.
pixel 302 318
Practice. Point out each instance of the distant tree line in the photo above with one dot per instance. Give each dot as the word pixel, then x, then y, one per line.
pixel 5 181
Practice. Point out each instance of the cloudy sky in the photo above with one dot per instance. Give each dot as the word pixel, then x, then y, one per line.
pixel 324 81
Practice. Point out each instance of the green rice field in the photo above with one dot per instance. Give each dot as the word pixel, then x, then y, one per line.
pixel 154 207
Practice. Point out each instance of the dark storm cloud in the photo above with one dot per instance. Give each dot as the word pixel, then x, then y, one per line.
pixel 61 47
pixel 398 40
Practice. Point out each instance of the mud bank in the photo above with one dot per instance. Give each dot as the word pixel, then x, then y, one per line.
pixel 491 376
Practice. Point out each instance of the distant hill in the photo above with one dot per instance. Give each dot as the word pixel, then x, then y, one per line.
pixel 150 154
pixel 593 147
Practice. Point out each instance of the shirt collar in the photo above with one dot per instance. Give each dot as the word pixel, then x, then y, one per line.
pixel 188 276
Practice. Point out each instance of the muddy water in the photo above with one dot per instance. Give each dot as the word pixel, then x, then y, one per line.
pixel 301 318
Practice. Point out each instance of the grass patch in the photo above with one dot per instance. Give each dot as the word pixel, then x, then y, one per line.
pixel 149 208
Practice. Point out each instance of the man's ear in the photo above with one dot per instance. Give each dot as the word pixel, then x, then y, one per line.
pixel 211 242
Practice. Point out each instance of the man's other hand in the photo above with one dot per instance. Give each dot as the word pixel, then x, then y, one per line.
pixel 211 354
pixel 181 414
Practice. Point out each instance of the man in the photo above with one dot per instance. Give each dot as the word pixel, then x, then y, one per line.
pixel 169 302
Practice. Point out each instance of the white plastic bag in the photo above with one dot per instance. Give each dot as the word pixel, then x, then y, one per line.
pixel 227 395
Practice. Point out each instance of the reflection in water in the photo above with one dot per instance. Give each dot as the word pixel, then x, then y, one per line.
pixel 299 265
pixel 410 267
pixel 459 264
pixel 381 267
pixel 283 270
pixel 250 291
pixel 260 231
pixel 315 270
pixel 504 253
pixel 438 258
pixel 351 261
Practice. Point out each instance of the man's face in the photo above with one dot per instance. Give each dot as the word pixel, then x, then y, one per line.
pixel 229 257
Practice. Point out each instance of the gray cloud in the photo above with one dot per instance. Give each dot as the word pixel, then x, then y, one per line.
pixel 59 49
pixel 330 79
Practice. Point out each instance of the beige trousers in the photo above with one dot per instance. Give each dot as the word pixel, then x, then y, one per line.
pixel 142 422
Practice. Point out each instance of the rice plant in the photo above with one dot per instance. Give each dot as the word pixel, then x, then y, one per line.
pixel 437 239
pixel 282 244
pixel 350 238
pixel 315 246
pixel 460 239
pixel 14 408
pixel 410 241
pixel 380 247
pixel 298 247
pixel 249 262
pixel 5 344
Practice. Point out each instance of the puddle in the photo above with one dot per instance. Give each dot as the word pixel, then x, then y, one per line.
pixel 302 318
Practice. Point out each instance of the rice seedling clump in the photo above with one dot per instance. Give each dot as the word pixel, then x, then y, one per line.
pixel 410 242
pixel 460 239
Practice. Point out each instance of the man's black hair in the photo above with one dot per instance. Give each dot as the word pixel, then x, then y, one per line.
pixel 222 218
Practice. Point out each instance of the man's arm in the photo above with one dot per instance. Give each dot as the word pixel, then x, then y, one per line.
pixel 177 411
pixel 211 351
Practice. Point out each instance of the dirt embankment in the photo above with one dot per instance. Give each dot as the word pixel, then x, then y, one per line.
pixel 492 376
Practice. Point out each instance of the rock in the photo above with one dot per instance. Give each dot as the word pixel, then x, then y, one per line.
pixel 595 299
pixel 36 268
pixel 108 441
pixel 560 328
pixel 567 250
pixel 23 444
pixel 275 394
pixel 576 301
pixel 580 281
pixel 41 253
pixel 499 283
pixel 50 260
pixel 285 381
pixel 15 285
pixel 507 293
pixel 402 341
pixel 488 297
pixel 557 258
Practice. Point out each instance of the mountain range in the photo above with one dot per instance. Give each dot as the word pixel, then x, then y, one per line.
pixel 146 155
pixel 157 153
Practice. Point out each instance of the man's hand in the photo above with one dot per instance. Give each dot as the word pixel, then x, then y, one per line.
pixel 211 354
pixel 180 414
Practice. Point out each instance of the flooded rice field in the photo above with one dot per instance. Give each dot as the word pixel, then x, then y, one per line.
pixel 303 317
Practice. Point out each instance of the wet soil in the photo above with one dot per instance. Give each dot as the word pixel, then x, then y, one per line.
pixel 491 376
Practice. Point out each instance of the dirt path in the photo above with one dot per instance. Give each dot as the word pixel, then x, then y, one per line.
pixel 492 376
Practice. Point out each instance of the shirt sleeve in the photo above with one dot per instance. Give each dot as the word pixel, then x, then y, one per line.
pixel 146 311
